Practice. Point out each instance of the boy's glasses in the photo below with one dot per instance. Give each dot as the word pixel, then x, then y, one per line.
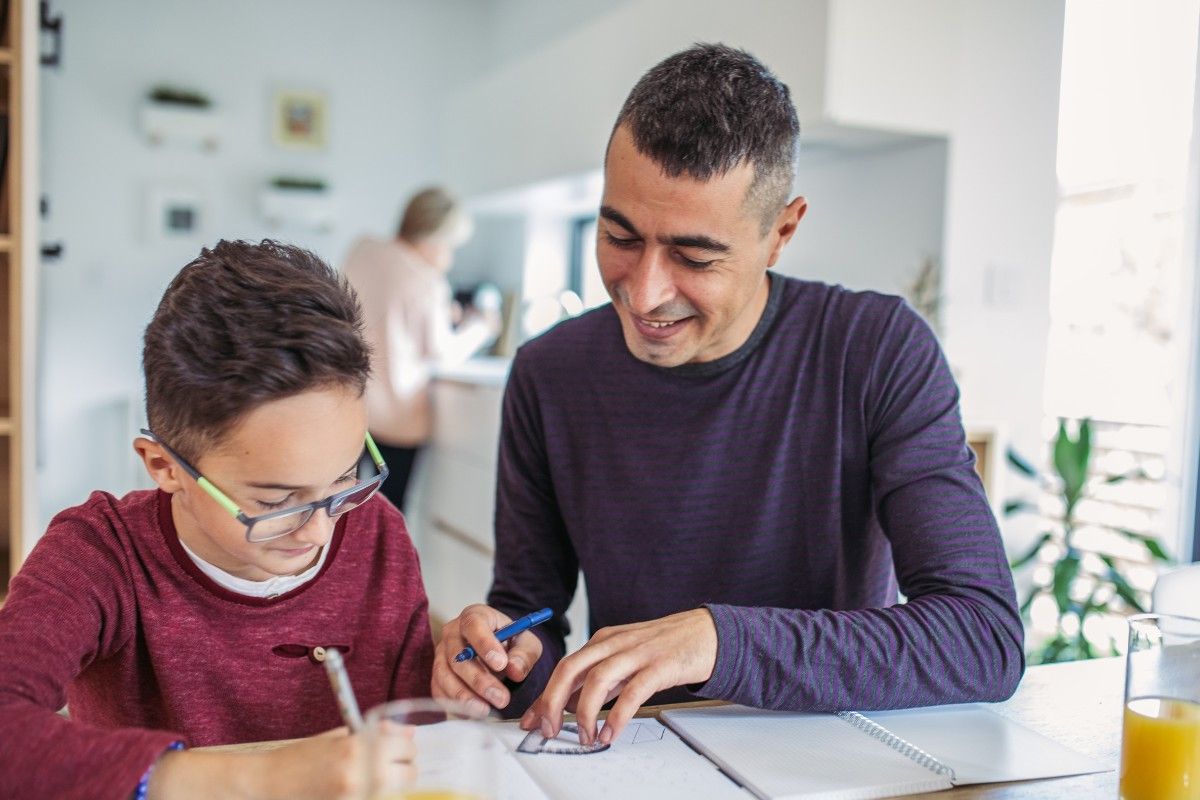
pixel 289 520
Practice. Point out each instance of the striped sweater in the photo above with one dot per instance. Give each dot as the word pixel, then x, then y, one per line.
pixel 792 487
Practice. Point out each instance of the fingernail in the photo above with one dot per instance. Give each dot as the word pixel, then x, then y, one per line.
pixel 526 722
pixel 494 696
pixel 494 659
pixel 519 663
pixel 606 735
pixel 479 708
pixel 547 729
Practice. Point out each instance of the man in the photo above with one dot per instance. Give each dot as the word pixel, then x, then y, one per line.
pixel 741 464
pixel 405 296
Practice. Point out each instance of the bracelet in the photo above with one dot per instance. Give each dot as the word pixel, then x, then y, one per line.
pixel 144 784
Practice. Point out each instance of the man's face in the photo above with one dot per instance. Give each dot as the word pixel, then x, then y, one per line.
pixel 684 261
pixel 284 453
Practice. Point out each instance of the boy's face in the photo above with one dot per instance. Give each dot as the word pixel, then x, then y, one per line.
pixel 284 453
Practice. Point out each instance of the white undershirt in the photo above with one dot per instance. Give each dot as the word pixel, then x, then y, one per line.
pixel 271 587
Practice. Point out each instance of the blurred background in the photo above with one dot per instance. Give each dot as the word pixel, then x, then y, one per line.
pixel 1022 170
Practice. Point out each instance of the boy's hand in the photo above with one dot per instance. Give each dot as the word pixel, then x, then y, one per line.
pixel 325 766
pixel 475 682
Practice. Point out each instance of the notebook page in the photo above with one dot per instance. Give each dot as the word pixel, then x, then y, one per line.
pixel 784 755
pixel 647 762
pixel 983 746
pixel 512 782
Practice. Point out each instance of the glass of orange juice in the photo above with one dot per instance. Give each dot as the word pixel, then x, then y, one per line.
pixel 427 749
pixel 1160 742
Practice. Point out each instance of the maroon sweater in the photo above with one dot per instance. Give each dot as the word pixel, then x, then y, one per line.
pixel 110 615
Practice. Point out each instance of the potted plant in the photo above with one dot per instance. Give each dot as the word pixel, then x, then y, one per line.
pixel 1084 578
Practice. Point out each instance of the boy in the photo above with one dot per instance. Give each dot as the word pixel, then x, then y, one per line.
pixel 199 613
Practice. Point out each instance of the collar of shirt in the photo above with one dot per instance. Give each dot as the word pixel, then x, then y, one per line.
pixel 271 587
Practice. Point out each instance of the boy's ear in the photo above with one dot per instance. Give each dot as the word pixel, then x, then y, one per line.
pixel 161 469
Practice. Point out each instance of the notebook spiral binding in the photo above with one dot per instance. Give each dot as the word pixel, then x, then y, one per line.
pixel 901 746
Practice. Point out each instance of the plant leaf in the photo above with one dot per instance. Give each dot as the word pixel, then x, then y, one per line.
pixel 1014 506
pixel 1024 609
pixel 1150 542
pixel 1084 646
pixel 1052 651
pixel 1064 575
pixel 1156 550
pixel 1071 458
pixel 1126 592
pixel 1029 554
pixel 1019 463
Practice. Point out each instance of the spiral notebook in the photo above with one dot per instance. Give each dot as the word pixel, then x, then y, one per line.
pixel 851 756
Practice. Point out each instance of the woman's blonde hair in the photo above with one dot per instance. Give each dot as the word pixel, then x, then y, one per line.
pixel 433 213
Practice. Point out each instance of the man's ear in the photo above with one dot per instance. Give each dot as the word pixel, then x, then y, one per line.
pixel 162 469
pixel 785 225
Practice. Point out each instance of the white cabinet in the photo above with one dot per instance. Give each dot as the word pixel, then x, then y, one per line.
pixel 453 493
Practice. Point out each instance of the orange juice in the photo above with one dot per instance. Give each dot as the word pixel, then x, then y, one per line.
pixel 1160 750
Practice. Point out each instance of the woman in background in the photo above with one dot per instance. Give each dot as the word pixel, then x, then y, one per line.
pixel 407 310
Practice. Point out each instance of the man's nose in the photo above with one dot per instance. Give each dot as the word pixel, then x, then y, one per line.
pixel 650 285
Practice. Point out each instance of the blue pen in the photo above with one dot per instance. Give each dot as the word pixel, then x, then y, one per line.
pixel 508 631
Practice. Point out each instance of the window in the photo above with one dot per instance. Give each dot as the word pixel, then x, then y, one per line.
pixel 1119 333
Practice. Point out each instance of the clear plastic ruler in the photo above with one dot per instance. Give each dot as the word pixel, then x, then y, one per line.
pixel 565 744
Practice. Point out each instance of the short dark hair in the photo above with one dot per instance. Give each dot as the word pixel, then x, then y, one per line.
pixel 241 325
pixel 710 108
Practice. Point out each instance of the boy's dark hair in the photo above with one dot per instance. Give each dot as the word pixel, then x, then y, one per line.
pixel 242 325
pixel 708 109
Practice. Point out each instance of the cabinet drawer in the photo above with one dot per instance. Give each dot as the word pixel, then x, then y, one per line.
pixel 466 419
pixel 460 494
pixel 456 575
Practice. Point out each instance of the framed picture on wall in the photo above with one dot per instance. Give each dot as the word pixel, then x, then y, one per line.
pixel 300 120
pixel 174 212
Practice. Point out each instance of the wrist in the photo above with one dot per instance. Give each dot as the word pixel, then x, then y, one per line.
pixel 142 791
pixel 233 776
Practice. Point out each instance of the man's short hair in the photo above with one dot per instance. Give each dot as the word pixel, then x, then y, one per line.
pixel 710 108
pixel 241 325
pixel 434 213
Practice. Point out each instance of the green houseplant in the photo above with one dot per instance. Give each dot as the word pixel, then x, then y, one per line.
pixel 1085 577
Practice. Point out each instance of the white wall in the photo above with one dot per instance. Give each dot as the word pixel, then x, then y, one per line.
pixel 1002 194
pixel 873 216
pixel 384 64
pixel 987 74
pixel 548 113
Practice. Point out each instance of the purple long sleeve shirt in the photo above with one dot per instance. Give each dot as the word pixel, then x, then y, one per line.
pixel 790 487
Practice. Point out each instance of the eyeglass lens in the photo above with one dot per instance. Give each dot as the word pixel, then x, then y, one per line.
pixel 284 524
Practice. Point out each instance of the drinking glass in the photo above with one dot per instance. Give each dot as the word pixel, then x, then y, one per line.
pixel 455 751
pixel 1160 742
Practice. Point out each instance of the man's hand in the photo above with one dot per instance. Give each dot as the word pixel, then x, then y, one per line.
pixel 475 682
pixel 633 661
pixel 325 766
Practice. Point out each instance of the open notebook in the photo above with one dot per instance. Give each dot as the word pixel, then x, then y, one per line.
pixel 850 756
pixel 737 753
